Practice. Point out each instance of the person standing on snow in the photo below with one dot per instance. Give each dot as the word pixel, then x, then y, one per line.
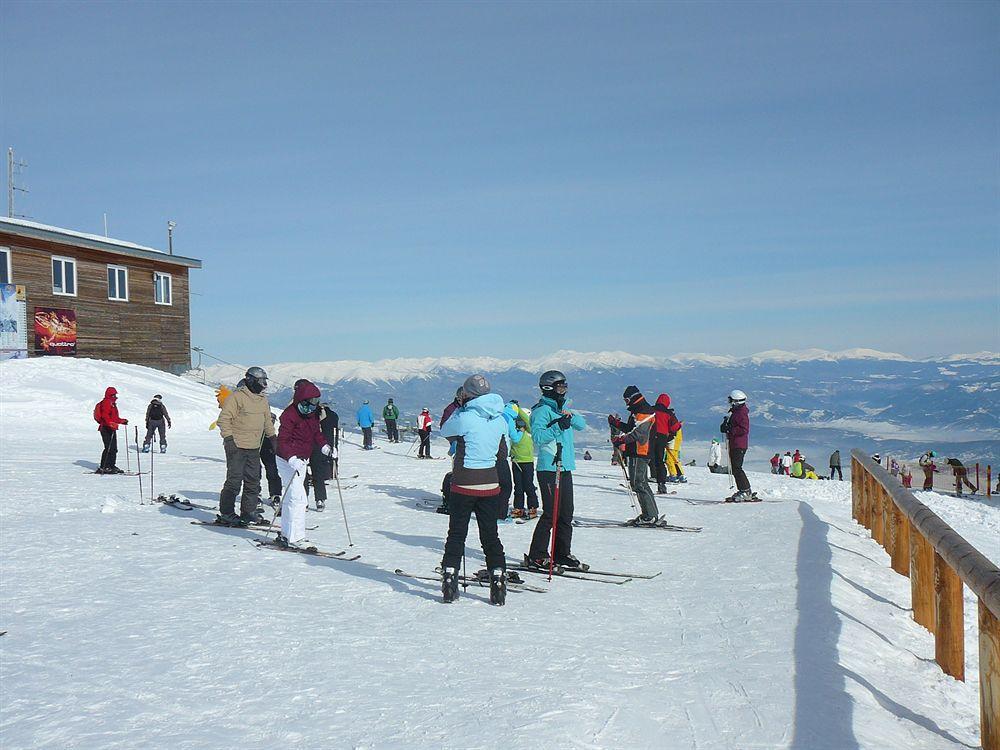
pixel 786 463
pixel 108 422
pixel 638 433
pixel 366 421
pixel 835 465
pixel 504 476
pixel 478 429
pixel 424 425
pixel 522 463
pixel 961 476
pixel 666 426
pixel 157 419
pixel 715 457
pixel 736 426
pixel 268 457
pixel 552 426
pixel 674 471
pixel 300 432
pixel 390 413
pixel 776 463
pixel 244 422
pixel 926 462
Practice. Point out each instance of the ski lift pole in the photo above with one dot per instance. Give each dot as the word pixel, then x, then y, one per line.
pixel 555 508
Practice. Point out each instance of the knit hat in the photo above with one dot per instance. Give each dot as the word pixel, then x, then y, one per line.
pixel 476 385
pixel 630 393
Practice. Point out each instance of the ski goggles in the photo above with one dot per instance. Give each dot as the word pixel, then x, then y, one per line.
pixel 308 405
pixel 560 386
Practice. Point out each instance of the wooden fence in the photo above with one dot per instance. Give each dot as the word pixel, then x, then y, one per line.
pixel 938 562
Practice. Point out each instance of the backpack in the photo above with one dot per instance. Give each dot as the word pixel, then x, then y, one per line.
pixel 97 412
pixel 156 410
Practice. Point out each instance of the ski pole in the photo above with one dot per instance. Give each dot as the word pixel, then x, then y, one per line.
pixel 138 468
pixel 729 464
pixel 412 443
pixel 555 508
pixel 344 511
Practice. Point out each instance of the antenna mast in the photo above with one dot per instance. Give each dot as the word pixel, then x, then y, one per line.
pixel 12 186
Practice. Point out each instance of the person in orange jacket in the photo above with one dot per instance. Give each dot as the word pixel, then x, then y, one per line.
pixel 108 422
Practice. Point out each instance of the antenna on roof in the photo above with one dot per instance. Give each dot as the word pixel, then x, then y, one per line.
pixel 105 223
pixel 170 236
pixel 12 186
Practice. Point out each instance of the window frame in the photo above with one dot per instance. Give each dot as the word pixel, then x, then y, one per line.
pixel 64 259
pixel 10 273
pixel 116 268
pixel 157 277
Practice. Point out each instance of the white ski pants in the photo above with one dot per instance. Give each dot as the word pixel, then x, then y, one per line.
pixel 293 507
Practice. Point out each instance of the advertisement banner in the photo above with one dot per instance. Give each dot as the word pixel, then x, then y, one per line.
pixel 55 331
pixel 13 322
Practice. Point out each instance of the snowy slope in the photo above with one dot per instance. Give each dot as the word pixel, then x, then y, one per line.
pixel 779 626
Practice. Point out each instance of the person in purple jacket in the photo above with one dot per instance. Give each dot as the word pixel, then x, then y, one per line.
pixel 736 426
pixel 300 432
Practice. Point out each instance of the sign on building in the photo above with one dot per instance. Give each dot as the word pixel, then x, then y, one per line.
pixel 13 322
pixel 55 331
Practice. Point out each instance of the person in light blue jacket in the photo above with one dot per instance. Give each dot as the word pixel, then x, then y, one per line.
pixel 366 421
pixel 479 430
pixel 552 426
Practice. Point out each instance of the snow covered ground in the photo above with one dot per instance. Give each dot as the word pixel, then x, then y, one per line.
pixel 780 625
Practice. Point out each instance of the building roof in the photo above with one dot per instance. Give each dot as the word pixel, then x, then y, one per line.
pixel 24 228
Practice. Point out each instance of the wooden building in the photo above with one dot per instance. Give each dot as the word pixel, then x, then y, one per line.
pixel 130 303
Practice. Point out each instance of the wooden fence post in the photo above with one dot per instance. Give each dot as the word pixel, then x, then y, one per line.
pixel 886 517
pixel 922 580
pixel 949 616
pixel 892 529
pixel 855 495
pixel 876 510
pixel 989 678
pixel 901 544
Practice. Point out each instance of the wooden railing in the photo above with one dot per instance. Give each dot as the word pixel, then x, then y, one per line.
pixel 938 562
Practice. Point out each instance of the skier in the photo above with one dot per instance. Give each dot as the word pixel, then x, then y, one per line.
pixel 300 432
pixel 156 416
pixel 676 473
pixel 635 438
pixel 835 465
pixel 244 422
pixel 479 431
pixel 665 429
pixel 424 425
pixel 504 473
pixel 522 462
pixel 775 463
pixel 961 476
pixel 366 421
pixel 786 463
pixel 321 466
pixel 268 457
pixel 907 476
pixel 587 456
pixel 893 467
pixel 926 462
pixel 736 426
pixel 715 457
pixel 390 413
pixel 552 425
pixel 448 411
pixel 108 421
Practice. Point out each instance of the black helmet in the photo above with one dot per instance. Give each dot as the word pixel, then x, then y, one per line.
pixel 256 379
pixel 550 380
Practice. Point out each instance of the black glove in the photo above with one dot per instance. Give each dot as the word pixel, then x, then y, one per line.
pixel 565 421
pixel 724 427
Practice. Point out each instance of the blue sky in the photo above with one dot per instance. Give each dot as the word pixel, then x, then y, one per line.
pixel 368 180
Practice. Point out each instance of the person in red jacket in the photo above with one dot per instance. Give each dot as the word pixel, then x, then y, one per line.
pixel 300 432
pixel 108 421
pixel 424 424
pixel 665 428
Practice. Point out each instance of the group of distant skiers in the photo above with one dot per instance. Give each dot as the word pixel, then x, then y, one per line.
pixel 795 465
pixel 108 421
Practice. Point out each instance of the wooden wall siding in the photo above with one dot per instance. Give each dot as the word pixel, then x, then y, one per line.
pixel 138 331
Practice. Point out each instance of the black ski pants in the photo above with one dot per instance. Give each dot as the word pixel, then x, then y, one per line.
pixel 840 474
pixel 564 526
pixel 524 484
pixel 367 433
pixel 242 469
pixel 424 451
pixel 152 427
pixel 506 488
pixel 460 510
pixel 110 453
pixel 321 469
pixel 270 468
pixel 391 431
pixel 659 448
pixel 736 462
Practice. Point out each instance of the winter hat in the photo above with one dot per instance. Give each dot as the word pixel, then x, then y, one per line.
pixel 390 400
pixel 630 393
pixel 476 385
pixel 365 401
pixel 157 397
pixel 425 410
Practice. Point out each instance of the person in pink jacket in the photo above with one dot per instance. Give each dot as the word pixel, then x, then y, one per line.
pixel 300 432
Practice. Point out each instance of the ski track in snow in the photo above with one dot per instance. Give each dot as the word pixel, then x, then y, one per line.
pixel 780 625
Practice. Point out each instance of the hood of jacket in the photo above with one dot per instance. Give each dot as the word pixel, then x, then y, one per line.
pixel 110 392
pixel 663 402
pixel 489 405
pixel 305 390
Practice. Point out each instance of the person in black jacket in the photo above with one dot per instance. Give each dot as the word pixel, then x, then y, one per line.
pixel 321 468
pixel 157 419
pixel 267 457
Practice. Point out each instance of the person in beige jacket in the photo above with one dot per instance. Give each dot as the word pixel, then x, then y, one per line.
pixel 244 423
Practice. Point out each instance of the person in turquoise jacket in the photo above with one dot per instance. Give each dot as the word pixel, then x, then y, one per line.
pixel 522 463
pixel 366 421
pixel 552 425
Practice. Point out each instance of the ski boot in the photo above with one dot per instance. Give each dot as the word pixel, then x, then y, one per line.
pixel 681 479
pixel 443 508
pixel 230 519
pixel 449 585
pixel 532 512
pixel 163 449
pixel 116 470
pixel 281 541
pixel 255 517
pixel 517 513
pixel 320 506
pixel 536 563
pixel 661 488
pixel 498 587
pixel 145 447
pixel 570 562
pixel 740 497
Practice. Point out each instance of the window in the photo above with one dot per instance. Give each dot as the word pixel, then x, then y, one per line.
pixel 163 292
pixel 5 277
pixel 118 283
pixel 63 276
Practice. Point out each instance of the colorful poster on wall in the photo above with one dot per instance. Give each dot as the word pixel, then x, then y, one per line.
pixel 13 322
pixel 55 331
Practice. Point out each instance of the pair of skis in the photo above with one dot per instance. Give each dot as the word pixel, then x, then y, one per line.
pixel 661 523
pixel 313 551
pixel 250 526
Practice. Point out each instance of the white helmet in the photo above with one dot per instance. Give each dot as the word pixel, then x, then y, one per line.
pixel 737 397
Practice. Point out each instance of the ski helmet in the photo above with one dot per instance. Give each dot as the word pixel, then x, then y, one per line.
pixel 256 379
pixel 551 380
pixel 737 397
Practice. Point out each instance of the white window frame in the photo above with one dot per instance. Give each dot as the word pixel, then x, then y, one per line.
pixel 157 276
pixel 10 274
pixel 119 298
pixel 64 260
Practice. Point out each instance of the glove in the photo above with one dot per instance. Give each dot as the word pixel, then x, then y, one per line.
pixel 614 421
pixel 565 421
pixel 329 451
pixel 124 421
pixel 298 465
pixel 724 427
pixel 618 441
